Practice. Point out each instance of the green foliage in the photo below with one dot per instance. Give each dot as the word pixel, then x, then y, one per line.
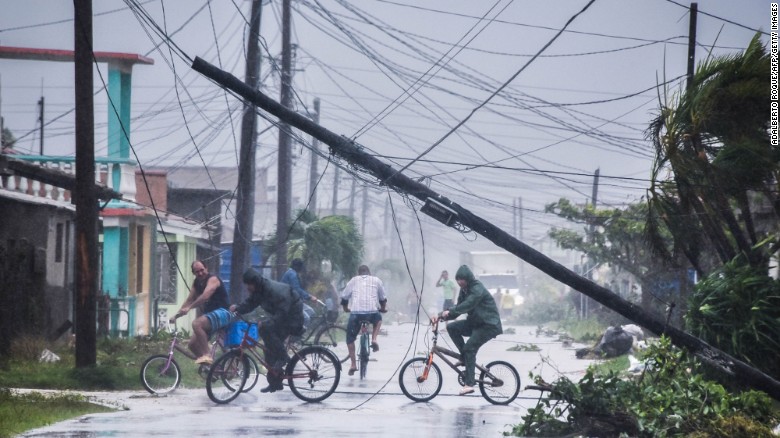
pixel 7 138
pixel 118 366
pixel 21 412
pixel 524 347
pixel 335 238
pixel 737 309
pixel 583 330
pixel 618 237
pixel 541 312
pixel 671 399
pixel 27 347
pixel 615 365
pixel 713 138
pixel 332 238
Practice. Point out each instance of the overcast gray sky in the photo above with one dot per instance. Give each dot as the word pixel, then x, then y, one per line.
pixel 397 75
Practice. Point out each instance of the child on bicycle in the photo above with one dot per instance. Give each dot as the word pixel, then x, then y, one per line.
pixel 482 324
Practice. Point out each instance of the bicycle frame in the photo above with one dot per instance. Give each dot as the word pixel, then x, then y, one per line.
pixel 250 346
pixel 420 377
pixel 442 353
pixel 176 346
pixel 365 349
pixel 319 321
pixel 312 373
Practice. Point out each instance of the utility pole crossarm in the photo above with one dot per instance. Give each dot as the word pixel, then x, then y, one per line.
pixel 348 151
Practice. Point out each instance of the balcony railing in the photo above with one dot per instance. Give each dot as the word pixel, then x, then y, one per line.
pixel 112 173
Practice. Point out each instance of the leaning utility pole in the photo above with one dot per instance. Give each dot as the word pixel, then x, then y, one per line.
pixel 454 215
pixel 245 195
pixel 84 195
pixel 284 184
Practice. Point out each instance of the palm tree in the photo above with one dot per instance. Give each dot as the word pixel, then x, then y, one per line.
pixel 713 137
pixel 332 238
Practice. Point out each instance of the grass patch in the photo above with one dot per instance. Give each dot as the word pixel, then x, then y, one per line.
pixel 21 412
pixel 524 347
pixel 586 331
pixel 118 367
pixel 615 365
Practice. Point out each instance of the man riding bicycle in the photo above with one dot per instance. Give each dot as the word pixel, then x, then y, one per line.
pixel 482 324
pixel 364 291
pixel 208 292
pixel 285 310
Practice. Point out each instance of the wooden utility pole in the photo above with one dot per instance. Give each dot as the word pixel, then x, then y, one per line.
pixel 519 235
pixel 245 195
pixel 352 193
pixel 451 213
pixel 335 198
pixel 692 43
pixel 84 195
pixel 40 120
pixel 365 210
pixel 284 166
pixel 590 265
pixel 313 172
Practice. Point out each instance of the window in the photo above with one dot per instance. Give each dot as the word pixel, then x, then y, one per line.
pixel 167 273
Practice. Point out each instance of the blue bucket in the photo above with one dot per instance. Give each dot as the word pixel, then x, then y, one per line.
pixel 236 332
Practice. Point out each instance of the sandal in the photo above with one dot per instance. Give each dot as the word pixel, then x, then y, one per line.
pixel 466 390
pixel 204 360
pixel 351 371
pixel 374 347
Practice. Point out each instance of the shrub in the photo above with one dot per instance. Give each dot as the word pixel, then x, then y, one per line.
pixel 669 400
pixel 736 309
pixel 27 347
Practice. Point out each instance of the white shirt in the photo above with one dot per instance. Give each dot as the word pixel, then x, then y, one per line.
pixel 364 292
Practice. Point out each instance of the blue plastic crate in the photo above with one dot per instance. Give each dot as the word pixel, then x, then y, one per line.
pixel 236 330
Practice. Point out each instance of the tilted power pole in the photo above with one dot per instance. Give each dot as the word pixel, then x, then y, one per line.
pixel 452 214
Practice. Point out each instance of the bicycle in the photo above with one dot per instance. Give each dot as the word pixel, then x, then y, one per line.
pixel 420 378
pixel 326 333
pixel 365 349
pixel 161 374
pixel 313 372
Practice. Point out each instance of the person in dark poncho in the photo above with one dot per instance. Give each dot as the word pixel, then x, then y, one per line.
pixel 285 317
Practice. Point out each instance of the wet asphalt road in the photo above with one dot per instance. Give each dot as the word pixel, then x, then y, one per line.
pixel 373 407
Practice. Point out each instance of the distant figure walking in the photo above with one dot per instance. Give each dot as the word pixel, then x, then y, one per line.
pixel 448 288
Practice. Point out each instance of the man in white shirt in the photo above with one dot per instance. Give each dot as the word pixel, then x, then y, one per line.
pixel 360 298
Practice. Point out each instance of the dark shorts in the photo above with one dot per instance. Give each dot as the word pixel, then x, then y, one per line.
pixel 356 319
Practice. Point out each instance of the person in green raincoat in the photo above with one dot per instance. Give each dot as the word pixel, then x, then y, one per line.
pixel 482 322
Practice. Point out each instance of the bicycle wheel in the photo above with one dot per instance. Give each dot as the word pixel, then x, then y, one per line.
pixel 413 383
pixel 313 373
pixel 227 377
pixel 364 353
pixel 500 384
pixel 159 376
pixel 334 337
pixel 253 376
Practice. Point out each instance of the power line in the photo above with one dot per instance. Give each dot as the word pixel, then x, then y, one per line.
pixel 512 78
